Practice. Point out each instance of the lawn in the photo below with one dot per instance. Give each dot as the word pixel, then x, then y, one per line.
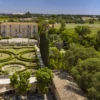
pixel 94 27
pixel 4 56
pixel 4 19
pixel 30 55
pixel 73 25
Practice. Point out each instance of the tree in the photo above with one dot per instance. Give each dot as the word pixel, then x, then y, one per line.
pixel 92 93
pixel 52 31
pixel 82 30
pixel 44 48
pixel 69 37
pixel 21 82
pixel 44 77
pixel 76 53
pixel 69 60
pixel 0 38
pixel 91 21
pixel 43 26
pixel 44 42
pixel 98 38
pixel 55 59
pixel 91 40
pixel 28 14
pixel 14 80
pixel 52 64
pixel 87 75
pixel 99 19
pixel 51 21
pixel 62 28
pixel 55 54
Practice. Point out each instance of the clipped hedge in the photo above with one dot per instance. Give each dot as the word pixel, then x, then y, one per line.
pixel 17 47
pixel 6 59
pixel 18 72
pixel 26 59
pixel 19 63
pixel 3 73
pixel 6 37
pixel 32 66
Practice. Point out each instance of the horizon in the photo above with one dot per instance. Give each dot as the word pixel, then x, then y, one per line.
pixel 66 7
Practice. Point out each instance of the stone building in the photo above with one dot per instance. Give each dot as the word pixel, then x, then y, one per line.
pixel 18 29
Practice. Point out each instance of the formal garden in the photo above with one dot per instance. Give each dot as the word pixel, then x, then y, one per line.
pixel 17 59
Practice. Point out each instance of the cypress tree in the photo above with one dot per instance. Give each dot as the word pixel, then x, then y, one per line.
pixel 44 48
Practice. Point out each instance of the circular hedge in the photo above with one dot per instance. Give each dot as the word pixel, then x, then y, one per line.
pixel 8 58
pixel 12 67
pixel 26 59
pixel 19 63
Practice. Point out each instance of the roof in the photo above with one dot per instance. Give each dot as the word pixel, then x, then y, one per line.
pixel 66 87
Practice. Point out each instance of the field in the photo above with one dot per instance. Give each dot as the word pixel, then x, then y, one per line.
pixel 5 19
pixel 94 27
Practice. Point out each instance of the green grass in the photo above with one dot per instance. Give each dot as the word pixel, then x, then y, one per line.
pixel 16 51
pixel 29 55
pixel 24 62
pixel 94 27
pixel 73 25
pixel 4 19
pixel 7 19
pixel 4 56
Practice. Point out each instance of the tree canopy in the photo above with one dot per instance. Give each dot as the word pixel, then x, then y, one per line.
pixel 87 75
pixel 83 30
pixel 21 82
pixel 44 77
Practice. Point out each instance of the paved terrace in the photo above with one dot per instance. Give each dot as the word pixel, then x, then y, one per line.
pixel 66 88
pixel 6 81
pixel 39 56
pixel 18 40
pixel 5 84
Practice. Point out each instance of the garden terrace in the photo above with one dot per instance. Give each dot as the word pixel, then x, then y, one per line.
pixel 18 59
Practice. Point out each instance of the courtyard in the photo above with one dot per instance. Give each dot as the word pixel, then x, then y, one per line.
pixel 15 58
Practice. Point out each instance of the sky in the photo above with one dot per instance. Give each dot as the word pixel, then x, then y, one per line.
pixel 51 6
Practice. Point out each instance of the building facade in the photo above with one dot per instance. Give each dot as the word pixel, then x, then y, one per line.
pixel 18 29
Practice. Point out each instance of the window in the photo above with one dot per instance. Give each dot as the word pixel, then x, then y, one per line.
pixel 28 31
pixel 4 33
pixel 34 31
pixel 28 26
pixel 10 30
pixel 23 30
pixel 4 27
pixel 19 28
pixel 34 26
pixel 16 30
